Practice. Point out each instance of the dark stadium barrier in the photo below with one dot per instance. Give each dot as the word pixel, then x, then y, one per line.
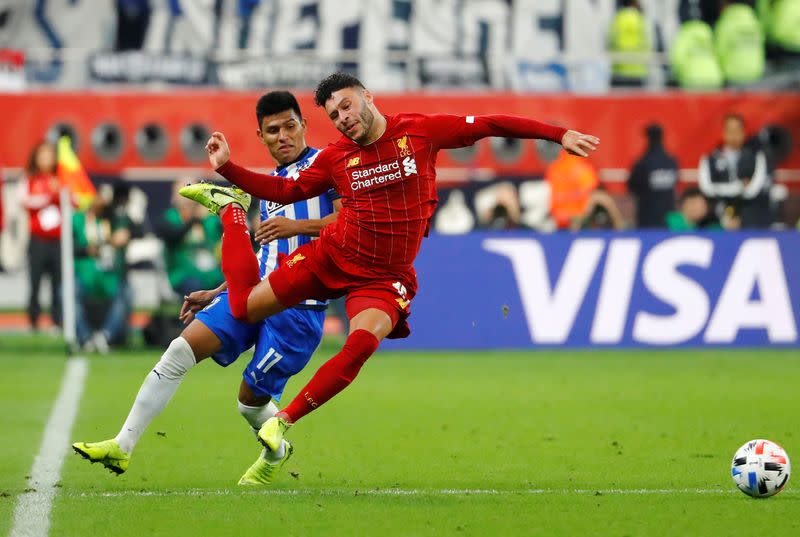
pixel 692 126
pixel 652 289
pixel 152 142
pixel 108 142
pixel 193 142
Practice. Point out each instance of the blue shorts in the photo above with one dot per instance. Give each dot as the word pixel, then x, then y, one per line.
pixel 283 343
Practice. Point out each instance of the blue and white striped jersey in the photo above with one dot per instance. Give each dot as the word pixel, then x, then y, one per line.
pixel 310 209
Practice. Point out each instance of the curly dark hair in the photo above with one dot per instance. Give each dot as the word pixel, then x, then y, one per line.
pixel 332 83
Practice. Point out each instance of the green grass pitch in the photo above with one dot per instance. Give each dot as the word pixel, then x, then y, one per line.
pixel 600 443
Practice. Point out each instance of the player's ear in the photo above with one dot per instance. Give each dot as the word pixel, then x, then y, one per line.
pixel 368 96
pixel 260 136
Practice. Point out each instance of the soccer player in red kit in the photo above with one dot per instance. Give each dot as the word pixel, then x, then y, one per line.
pixel 384 168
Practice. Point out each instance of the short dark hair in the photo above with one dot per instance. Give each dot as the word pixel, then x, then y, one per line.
pixel 276 102
pixel 332 83
pixel 690 192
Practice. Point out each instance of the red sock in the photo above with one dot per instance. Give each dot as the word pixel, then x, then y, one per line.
pixel 334 375
pixel 239 263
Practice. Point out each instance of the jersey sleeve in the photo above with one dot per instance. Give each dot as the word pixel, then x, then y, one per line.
pixel 332 195
pixel 312 182
pixel 450 131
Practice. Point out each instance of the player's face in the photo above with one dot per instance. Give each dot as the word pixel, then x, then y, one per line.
pixel 349 110
pixel 733 133
pixel 284 135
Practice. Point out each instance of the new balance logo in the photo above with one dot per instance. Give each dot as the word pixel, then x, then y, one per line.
pixel 409 166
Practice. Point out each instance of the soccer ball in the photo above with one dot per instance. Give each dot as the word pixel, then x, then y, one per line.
pixel 761 468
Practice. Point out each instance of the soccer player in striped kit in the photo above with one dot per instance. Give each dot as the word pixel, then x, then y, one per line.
pixel 283 343
pixel 383 166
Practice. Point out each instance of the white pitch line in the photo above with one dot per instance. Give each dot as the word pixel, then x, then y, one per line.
pixel 32 513
pixel 396 492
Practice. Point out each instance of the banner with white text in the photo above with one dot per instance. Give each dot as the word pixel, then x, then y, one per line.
pixel 645 289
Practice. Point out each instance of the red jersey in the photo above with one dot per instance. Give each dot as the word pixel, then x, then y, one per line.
pixel 42 202
pixel 388 187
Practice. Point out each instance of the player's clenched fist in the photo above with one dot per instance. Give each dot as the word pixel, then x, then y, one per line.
pixel 218 151
pixel 579 144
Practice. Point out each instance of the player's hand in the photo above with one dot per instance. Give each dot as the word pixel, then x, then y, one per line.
pixel 579 144
pixel 277 227
pixel 194 302
pixel 218 151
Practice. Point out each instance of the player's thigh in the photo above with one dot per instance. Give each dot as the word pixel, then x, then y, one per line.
pixel 284 347
pixel 262 302
pixel 376 321
pixel 203 342
pixel 378 309
pixel 234 336
pixel 297 279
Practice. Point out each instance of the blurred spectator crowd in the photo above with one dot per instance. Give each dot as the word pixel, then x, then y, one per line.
pixel 735 189
pixel 111 234
pixel 524 45
pixel 721 42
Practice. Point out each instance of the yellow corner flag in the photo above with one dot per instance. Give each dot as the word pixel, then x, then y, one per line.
pixel 73 176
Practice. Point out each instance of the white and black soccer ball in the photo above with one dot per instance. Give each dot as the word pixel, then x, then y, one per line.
pixel 761 468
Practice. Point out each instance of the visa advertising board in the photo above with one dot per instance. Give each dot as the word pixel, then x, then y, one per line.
pixel 638 289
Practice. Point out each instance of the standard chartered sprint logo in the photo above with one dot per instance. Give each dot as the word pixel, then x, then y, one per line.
pixel 382 173
pixel 713 305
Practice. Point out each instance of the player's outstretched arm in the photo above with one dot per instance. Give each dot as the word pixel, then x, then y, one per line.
pixel 450 131
pixel 312 182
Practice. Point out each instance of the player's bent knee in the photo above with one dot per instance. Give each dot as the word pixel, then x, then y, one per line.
pixel 249 398
pixel 176 360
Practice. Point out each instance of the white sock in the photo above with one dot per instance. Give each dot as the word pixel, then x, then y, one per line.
pixel 157 389
pixel 256 416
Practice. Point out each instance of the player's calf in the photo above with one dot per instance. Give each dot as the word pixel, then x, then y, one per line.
pixel 333 377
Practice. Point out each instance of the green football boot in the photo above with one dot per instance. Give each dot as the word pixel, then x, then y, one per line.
pixel 214 197
pixel 271 433
pixel 262 472
pixel 106 452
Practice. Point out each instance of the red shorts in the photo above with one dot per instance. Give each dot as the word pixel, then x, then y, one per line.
pixel 317 271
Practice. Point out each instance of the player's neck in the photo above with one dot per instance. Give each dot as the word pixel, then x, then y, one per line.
pixel 377 130
pixel 294 159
